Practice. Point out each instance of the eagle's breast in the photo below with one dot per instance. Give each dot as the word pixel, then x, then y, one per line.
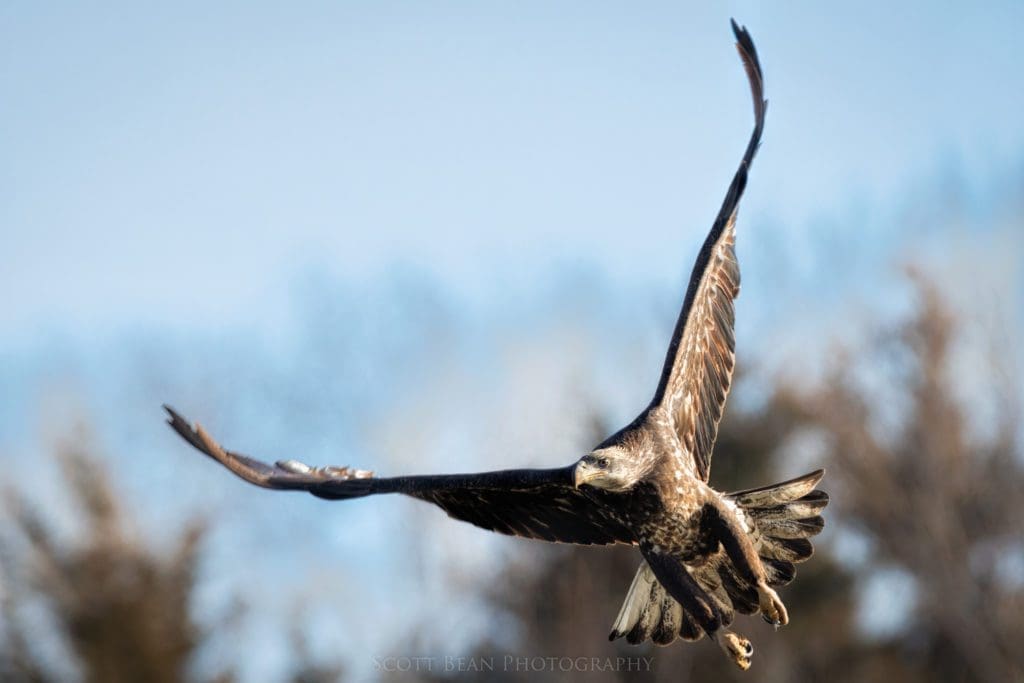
pixel 674 524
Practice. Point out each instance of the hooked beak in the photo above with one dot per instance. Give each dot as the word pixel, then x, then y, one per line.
pixel 582 474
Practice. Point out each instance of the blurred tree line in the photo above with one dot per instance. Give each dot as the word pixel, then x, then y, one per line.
pixel 121 608
pixel 918 493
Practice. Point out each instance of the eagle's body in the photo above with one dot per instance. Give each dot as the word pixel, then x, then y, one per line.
pixel 664 506
pixel 706 554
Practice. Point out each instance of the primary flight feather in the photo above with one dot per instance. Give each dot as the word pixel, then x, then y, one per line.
pixel 705 554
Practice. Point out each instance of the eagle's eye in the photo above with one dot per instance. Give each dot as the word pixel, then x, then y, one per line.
pixel 602 463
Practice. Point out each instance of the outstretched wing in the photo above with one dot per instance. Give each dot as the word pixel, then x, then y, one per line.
pixel 699 363
pixel 541 504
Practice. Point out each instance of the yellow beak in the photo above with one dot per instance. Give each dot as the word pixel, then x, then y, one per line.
pixel 582 474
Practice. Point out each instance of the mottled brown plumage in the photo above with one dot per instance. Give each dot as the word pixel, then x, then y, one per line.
pixel 706 555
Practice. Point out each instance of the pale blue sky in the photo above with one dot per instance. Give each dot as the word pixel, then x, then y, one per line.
pixel 183 164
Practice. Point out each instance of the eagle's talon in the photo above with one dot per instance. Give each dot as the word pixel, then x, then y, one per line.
pixel 738 648
pixel 772 609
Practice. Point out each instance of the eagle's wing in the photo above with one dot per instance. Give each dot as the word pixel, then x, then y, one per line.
pixel 541 504
pixel 699 363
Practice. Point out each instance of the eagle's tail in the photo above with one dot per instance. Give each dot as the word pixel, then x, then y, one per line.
pixel 780 519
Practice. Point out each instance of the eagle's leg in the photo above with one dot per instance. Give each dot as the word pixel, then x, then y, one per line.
pixel 672 574
pixel 723 524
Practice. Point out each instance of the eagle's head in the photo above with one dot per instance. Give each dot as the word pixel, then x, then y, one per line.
pixel 611 469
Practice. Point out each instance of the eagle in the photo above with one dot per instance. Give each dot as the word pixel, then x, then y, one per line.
pixel 705 554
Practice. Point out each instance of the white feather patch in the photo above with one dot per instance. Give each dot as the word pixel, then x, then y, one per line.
pixel 637 598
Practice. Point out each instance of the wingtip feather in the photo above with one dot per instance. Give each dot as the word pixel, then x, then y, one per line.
pixel 176 420
pixel 735 27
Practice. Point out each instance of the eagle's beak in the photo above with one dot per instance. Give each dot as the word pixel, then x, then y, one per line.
pixel 582 474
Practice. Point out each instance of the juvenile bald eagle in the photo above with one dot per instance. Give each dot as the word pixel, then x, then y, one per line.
pixel 705 554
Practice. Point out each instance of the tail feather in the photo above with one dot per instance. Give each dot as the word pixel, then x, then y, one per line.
pixel 787 549
pixel 651 617
pixel 650 612
pixel 792 528
pixel 743 595
pixel 778 494
pixel 667 629
pixel 778 572
pixel 689 630
pixel 708 577
pixel 810 505
pixel 638 599
pixel 783 516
